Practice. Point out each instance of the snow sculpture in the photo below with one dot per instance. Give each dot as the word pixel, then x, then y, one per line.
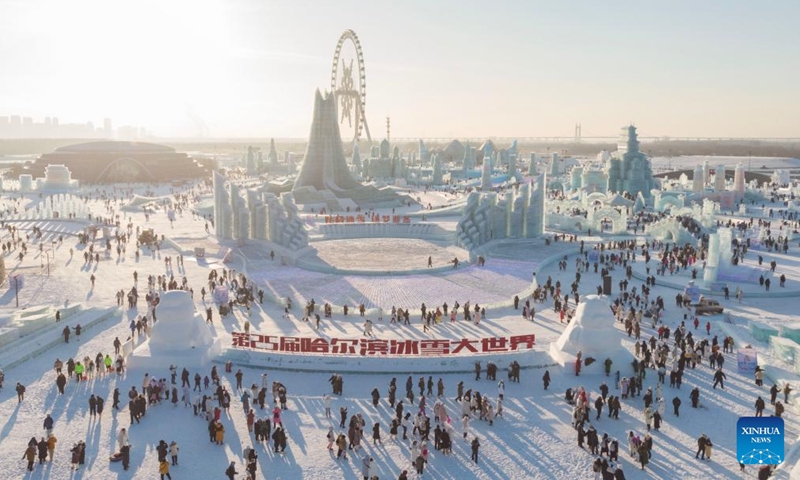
pixel 179 337
pixel 591 332
pixel 179 325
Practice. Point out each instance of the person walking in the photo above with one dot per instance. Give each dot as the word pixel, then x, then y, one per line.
pixel 760 405
pixel 20 389
pixel 701 447
pixel 476 445
pixel 231 471
pixel 719 378
pixel 163 469
pixel 30 456
pixel 48 425
pixel 51 446
pixel 173 451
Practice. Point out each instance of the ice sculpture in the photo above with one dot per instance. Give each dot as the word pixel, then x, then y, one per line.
pixel 518 214
pixel 630 170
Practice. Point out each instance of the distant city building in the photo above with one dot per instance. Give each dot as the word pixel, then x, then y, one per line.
pixel 15 126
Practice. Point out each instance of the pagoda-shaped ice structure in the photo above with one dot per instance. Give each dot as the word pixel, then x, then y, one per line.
pixel 629 170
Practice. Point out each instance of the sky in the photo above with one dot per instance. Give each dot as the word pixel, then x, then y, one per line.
pixel 438 68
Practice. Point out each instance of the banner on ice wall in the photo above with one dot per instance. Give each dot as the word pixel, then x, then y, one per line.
pixel 747 359
pixel 376 347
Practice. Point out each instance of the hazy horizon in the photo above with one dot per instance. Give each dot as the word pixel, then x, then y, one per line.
pixel 438 69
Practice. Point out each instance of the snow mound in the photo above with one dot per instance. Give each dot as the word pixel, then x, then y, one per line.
pixel 179 325
pixel 592 333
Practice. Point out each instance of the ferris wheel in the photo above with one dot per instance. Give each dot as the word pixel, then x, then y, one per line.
pixel 350 96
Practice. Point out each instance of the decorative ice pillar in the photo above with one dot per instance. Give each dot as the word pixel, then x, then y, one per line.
pixel 437 170
pixel 469 159
pixel 725 251
pixel 710 273
pixel 222 207
pixel 486 177
pixel 532 166
pixel 554 165
pixel 719 178
pixel 697 180
pixel 512 166
pixel 575 178
pixel 706 172
pixel 356 160
pixel 738 181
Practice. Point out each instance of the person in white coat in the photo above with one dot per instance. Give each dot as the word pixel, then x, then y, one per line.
pixel 173 451
pixel 501 389
pixel 365 464
pixel 415 451
pixel 331 438
pixel 326 400
pixel 465 425
pixel 122 438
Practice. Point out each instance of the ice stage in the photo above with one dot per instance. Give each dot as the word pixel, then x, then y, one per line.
pixel 508 271
pixel 388 255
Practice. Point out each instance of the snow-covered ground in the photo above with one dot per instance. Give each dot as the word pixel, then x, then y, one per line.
pixel 533 439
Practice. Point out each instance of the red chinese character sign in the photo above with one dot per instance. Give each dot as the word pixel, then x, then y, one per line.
pixel 377 347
